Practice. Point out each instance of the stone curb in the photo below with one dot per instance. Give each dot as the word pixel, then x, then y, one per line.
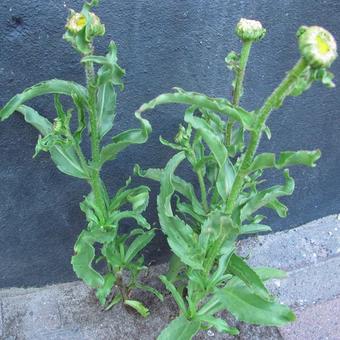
pixel 310 254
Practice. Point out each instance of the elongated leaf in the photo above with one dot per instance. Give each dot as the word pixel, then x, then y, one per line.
pixel 265 197
pixel 151 290
pixel 138 197
pixel 138 244
pixel 254 228
pixel 106 108
pixel 202 101
pixel 180 329
pixel 42 124
pixel 223 263
pixel 249 307
pixel 64 156
pixel 220 324
pixel 225 179
pixel 226 173
pixel 175 294
pixel 67 161
pixel 240 268
pixel 138 306
pixel 110 71
pixel 180 185
pixel 85 253
pixel 124 139
pixel 266 273
pixel 117 216
pixel 279 207
pixel 103 292
pixel 180 236
pixel 54 86
pixel 213 141
pixel 287 158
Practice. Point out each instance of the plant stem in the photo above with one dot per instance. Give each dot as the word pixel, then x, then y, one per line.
pixel 238 86
pixel 272 102
pixel 95 180
pixel 203 190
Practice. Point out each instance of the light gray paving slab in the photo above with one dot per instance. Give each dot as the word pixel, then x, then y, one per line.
pixel 71 311
pixel 315 322
pixel 24 315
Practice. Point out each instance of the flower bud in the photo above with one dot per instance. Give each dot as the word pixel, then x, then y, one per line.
pixel 97 28
pixel 250 30
pixel 57 125
pixel 76 22
pixel 317 46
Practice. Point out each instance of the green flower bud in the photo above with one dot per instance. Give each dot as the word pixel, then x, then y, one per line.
pixel 250 30
pixel 76 22
pixel 57 125
pixel 317 46
pixel 180 137
pixel 97 28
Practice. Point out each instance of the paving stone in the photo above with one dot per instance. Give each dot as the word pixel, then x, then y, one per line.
pixel 72 312
pixel 296 248
pixel 63 334
pixel 24 315
pixel 306 286
pixel 316 322
pixel 1 320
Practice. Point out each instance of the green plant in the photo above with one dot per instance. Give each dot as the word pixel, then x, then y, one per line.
pixel 95 107
pixel 206 275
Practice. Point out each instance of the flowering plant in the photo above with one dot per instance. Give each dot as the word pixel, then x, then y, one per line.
pixel 206 274
pixel 95 107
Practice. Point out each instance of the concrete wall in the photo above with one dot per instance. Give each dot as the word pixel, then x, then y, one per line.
pixel 161 44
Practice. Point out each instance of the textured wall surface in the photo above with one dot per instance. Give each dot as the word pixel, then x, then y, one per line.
pixel 161 44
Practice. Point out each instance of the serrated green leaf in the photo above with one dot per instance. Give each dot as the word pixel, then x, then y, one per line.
pixel 42 124
pixel 202 101
pixel 85 253
pixel 110 71
pixel 249 307
pixel 180 236
pixel 138 197
pixel 220 324
pixel 265 197
pixel 279 207
pixel 54 86
pixel 254 228
pixel 138 244
pixel 126 138
pixel 138 306
pixel 238 267
pixel 106 108
pixel 285 159
pixel 175 294
pixel 103 292
pixel 180 185
pixel 180 329
pixel 67 161
pixel 64 156
pixel 151 290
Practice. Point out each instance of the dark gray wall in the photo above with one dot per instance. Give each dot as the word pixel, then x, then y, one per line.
pixel 161 44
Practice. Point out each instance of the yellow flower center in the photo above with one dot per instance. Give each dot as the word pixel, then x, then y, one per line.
pixel 81 21
pixel 322 44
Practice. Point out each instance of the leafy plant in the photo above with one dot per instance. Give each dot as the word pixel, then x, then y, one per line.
pixel 94 107
pixel 206 274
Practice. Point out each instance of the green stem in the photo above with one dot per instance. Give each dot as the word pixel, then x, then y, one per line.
pixel 272 102
pixel 203 190
pixel 95 180
pixel 238 86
